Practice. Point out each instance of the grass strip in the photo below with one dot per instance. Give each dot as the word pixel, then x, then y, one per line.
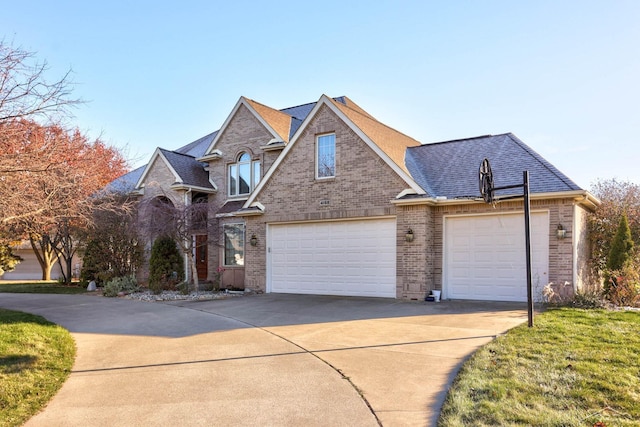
pixel 36 357
pixel 40 288
pixel 574 368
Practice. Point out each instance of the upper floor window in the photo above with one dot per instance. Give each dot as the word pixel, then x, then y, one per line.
pixel 326 156
pixel 244 175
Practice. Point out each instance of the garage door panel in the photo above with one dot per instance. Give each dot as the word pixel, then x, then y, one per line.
pixel 334 258
pixel 484 256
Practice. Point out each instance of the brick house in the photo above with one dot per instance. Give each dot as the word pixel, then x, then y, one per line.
pixel 323 198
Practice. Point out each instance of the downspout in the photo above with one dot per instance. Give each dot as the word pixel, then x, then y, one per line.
pixel 574 247
pixel 187 264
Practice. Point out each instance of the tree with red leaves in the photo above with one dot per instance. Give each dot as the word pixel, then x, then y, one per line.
pixel 49 179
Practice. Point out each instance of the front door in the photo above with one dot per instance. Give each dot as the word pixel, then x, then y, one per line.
pixel 201 256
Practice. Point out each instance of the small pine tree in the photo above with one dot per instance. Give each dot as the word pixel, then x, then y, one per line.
pixel 92 261
pixel 621 247
pixel 166 266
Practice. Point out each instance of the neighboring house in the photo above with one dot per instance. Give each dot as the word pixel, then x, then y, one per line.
pixel 325 199
pixel 29 268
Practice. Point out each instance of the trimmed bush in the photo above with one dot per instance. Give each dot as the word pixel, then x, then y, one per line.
pixel 126 284
pixel 166 267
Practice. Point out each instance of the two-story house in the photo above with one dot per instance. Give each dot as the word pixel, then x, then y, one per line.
pixel 323 198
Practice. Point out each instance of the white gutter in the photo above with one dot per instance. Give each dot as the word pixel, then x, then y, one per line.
pixel 582 197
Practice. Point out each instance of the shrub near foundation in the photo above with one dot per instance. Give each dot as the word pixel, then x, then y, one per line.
pixel 117 285
pixel 166 268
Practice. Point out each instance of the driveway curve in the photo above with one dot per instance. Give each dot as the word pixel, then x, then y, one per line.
pixel 262 360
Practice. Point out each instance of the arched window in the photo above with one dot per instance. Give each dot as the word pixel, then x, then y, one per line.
pixel 244 175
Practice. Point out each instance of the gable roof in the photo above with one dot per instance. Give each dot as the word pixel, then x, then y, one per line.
pixel 191 172
pixel 393 143
pixel 276 122
pixel 450 169
pixel 187 171
pixel 291 117
pixel 389 144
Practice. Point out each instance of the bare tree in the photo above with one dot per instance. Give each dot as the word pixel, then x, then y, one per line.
pixel 25 91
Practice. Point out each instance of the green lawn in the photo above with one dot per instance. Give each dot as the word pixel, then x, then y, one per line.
pixel 574 368
pixel 41 288
pixel 36 357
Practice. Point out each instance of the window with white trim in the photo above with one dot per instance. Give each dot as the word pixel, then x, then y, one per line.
pixel 243 176
pixel 326 156
pixel 233 245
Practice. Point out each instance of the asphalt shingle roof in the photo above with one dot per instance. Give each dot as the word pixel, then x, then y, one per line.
pixel 190 171
pixel 280 122
pixel 198 147
pixel 450 168
pixel 127 182
pixel 300 112
pixel 389 140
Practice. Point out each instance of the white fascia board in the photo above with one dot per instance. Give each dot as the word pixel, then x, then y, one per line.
pixel 325 100
pixel 209 149
pixel 241 101
pixel 417 201
pixel 581 197
pixel 214 155
pixel 405 192
pixel 397 169
pixel 187 187
pixel 258 210
pixel 271 130
pixel 282 155
pixel 156 154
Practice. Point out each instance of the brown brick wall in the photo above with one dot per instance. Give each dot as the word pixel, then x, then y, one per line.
pixel 244 132
pixel 363 187
pixel 415 259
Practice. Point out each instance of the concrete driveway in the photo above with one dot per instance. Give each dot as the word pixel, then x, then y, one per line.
pixel 262 360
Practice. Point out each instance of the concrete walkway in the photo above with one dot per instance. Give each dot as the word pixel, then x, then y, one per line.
pixel 262 360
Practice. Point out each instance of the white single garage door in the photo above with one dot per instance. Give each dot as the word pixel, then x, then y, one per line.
pixel 355 258
pixel 484 256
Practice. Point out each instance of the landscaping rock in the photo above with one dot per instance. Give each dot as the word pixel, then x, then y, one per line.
pixel 175 296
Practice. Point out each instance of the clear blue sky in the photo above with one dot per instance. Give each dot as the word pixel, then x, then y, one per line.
pixel 562 75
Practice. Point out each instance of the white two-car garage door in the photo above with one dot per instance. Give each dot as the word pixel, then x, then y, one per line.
pixel 484 256
pixel 355 258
